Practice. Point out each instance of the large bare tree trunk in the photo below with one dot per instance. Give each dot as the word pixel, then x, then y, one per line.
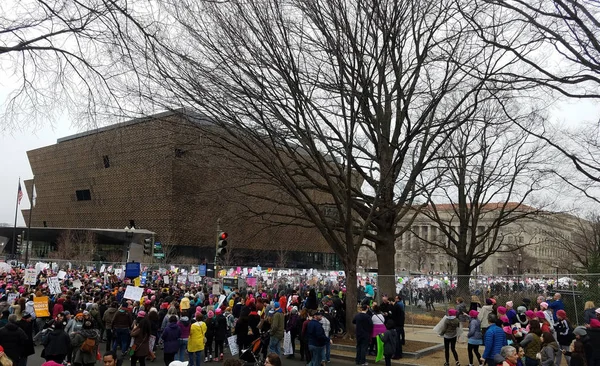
pixel 351 296
pixel 386 270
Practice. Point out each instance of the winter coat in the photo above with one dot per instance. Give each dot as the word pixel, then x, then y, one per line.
pixel 97 319
pixel 197 336
pixel 73 326
pixel 77 339
pixel 28 347
pixel 142 341
pixel 494 340
pixel 185 329
pixel 221 328
pixel 475 336
pixel 316 334
pixel 483 315
pixel 57 343
pixel 462 311
pixel 450 328
pixel 390 342
pixel 531 345
pixel 588 315
pixel 594 343
pixel 57 308
pixel 278 325
pixel 170 337
pixel 294 325
pixel 548 352
pixel 13 339
pixel 29 308
pixel 108 317
pixel 4 305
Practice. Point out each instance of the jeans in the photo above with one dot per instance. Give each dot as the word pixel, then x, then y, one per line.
pixel 362 345
pixel 326 352
pixel 109 339
pixel 274 345
pixel 121 339
pixel 316 354
pixel 180 356
pixel 195 358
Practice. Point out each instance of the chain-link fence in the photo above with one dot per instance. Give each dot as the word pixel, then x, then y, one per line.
pixel 428 297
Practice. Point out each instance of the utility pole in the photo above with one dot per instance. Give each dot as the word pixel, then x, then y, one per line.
pixel 217 248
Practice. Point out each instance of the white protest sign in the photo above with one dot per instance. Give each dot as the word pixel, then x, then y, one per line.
pixel 102 268
pixel 77 284
pixel 166 280
pixel 181 278
pixel 216 289
pixel 62 275
pixel 30 277
pixel 5 267
pixel 221 299
pixel 54 285
pixel 11 297
pixel 134 293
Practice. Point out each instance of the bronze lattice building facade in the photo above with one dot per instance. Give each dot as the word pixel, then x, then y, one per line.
pixel 161 174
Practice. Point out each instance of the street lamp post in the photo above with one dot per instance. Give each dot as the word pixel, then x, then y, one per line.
pixel 507 269
pixel 519 260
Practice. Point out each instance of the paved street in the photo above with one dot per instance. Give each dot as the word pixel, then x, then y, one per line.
pixel 36 360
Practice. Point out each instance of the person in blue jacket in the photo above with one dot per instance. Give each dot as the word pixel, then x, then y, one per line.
pixel 493 341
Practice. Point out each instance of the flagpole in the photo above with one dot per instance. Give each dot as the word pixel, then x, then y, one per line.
pixel 31 205
pixel 14 238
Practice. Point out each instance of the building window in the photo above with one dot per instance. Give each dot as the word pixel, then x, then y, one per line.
pixel 83 195
pixel 106 161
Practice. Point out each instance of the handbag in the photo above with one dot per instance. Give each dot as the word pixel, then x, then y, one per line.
pixel 134 347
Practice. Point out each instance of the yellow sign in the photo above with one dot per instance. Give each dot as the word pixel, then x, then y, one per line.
pixel 137 281
pixel 40 306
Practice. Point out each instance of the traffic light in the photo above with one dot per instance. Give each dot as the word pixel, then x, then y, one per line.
pixel 147 246
pixel 19 244
pixel 222 244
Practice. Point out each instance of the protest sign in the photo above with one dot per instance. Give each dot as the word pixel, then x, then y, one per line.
pixel 11 298
pixel 30 277
pixel 54 285
pixel 61 275
pixel 134 293
pixel 166 280
pixel 181 278
pixel 77 284
pixel 40 306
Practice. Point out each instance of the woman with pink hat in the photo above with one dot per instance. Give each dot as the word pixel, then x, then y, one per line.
pixel 450 331
pixel 475 337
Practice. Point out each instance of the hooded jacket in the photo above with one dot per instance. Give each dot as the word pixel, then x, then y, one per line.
pixel 170 337
pixel 13 339
pixel 29 308
pixel 57 343
pixel 81 357
pixel 483 315
pixel 548 352
pixel 108 317
pixel 450 328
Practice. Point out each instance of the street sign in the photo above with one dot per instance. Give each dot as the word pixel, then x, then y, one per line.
pixel 132 270
pixel 158 251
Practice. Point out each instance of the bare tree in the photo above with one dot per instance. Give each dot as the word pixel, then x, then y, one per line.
pixel 349 102
pixel 54 59
pixel 75 245
pixel 487 171
pixel 557 44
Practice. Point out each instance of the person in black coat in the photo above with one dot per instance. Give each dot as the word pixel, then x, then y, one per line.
pixel 26 323
pixel 398 316
pixel 364 327
pixel 220 333
pixel 13 339
pixel 57 344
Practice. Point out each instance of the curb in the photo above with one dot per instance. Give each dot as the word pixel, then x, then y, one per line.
pixel 410 355
pixel 370 359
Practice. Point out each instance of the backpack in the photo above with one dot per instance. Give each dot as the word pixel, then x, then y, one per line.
pixel 89 345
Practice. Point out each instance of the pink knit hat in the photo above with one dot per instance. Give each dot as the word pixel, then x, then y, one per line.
pixel 501 310
pixel 451 312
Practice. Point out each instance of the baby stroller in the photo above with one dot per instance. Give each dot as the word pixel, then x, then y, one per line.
pixel 253 355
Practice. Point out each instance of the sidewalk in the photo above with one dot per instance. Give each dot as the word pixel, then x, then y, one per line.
pixel 422 334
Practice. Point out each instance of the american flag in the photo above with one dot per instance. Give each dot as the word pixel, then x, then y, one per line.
pixel 19 194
